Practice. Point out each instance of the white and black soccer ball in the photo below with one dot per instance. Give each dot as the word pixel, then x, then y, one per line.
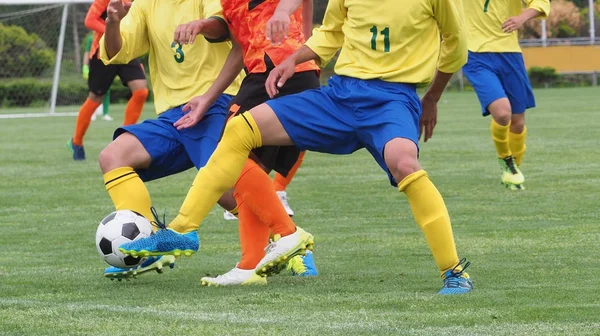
pixel 116 229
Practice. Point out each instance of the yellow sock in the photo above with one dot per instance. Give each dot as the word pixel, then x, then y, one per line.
pixel 235 211
pixel 128 191
pixel 432 216
pixel 500 137
pixel 517 145
pixel 220 173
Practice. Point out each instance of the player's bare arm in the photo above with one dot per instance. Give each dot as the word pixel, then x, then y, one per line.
pixel 116 11
pixel 453 55
pixel 516 22
pixel 212 28
pixel 198 106
pixel 287 68
pixel 307 18
pixel 279 24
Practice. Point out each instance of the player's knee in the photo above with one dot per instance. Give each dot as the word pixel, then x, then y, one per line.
pixel 403 166
pixel 95 97
pixel 517 124
pixel 239 129
pixel 501 111
pixel 109 158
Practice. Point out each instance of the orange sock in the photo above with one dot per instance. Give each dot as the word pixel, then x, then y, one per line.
pixel 258 193
pixel 281 182
pixel 83 120
pixel 135 106
pixel 254 235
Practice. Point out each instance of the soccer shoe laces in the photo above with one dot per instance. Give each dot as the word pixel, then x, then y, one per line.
pixel 272 243
pixel 296 265
pixel 453 276
pixel 157 222
pixel 510 164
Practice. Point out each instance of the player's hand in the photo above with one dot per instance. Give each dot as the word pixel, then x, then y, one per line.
pixel 85 71
pixel 428 118
pixel 279 76
pixel 186 33
pixel 278 27
pixel 116 10
pixel 194 112
pixel 513 23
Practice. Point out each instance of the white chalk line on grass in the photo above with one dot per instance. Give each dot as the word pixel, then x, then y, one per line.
pixel 230 317
pixel 37 115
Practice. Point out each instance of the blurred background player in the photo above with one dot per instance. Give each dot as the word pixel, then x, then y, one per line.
pixel 101 78
pixel 262 37
pixel 155 148
pixel 372 103
pixel 85 70
pixel 497 72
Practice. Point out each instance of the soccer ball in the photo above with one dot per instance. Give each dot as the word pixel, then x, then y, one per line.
pixel 116 229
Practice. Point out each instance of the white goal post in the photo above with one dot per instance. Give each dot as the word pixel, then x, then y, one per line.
pixel 61 38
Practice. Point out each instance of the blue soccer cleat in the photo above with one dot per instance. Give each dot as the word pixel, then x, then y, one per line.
pixel 78 151
pixel 303 265
pixel 457 281
pixel 150 264
pixel 163 242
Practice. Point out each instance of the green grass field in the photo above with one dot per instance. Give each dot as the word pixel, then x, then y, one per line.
pixel 534 254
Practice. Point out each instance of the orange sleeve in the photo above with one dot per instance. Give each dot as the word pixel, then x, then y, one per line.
pixel 93 19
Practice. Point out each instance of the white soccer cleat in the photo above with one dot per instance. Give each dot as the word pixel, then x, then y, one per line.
pixel 282 249
pixel 284 201
pixel 235 277
pixel 107 117
pixel 229 216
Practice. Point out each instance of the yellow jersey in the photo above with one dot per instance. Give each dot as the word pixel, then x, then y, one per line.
pixel 391 40
pixel 484 20
pixel 178 72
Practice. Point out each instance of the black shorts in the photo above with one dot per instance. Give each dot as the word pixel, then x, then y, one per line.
pixel 253 93
pixel 102 76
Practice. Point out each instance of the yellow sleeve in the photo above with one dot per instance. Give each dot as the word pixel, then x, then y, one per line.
pixel 212 8
pixel 542 6
pixel 329 38
pixel 450 18
pixel 134 36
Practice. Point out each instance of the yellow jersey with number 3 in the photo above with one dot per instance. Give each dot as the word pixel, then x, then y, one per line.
pixel 392 40
pixel 178 73
pixel 485 19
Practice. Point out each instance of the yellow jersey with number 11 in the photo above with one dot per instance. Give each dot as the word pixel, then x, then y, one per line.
pixel 485 18
pixel 392 40
pixel 178 73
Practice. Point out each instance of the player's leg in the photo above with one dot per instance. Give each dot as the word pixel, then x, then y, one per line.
pixel 390 128
pixel 304 115
pixel 133 76
pixel 142 152
pixel 254 237
pixel 99 81
pixel 517 137
pixel 520 94
pixel 281 182
pixel 484 71
pixel 106 107
pixel 84 118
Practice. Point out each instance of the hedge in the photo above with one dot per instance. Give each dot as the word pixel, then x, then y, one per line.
pixel 28 91
pixel 23 54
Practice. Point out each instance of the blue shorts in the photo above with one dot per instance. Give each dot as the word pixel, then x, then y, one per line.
pixel 500 75
pixel 350 114
pixel 174 151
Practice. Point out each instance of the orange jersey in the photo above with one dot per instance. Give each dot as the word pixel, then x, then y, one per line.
pixel 247 21
pixel 95 20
